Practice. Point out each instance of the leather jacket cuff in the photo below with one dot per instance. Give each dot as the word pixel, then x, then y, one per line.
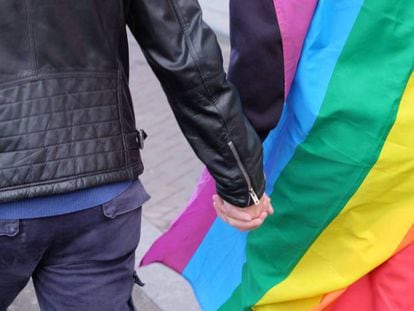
pixel 248 197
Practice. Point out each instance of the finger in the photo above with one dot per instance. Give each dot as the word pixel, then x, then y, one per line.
pixel 254 224
pixel 254 210
pixel 232 222
pixel 236 212
pixel 240 225
pixel 218 207
pixel 218 204
pixel 263 215
pixel 270 210
pixel 218 199
pixel 220 214
pixel 245 226
pixel 265 203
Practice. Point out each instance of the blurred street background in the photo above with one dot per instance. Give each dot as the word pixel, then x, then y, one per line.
pixel 171 172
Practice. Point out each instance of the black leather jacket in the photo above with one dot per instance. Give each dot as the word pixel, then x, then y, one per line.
pixel 66 117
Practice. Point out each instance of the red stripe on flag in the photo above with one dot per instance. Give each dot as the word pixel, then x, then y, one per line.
pixel 390 287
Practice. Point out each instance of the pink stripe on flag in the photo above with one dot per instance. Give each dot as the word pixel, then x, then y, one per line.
pixel 294 18
pixel 178 245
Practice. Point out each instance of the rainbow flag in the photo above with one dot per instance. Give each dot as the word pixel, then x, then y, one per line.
pixel 340 172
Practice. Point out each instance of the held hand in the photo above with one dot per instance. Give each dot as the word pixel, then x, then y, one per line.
pixel 244 219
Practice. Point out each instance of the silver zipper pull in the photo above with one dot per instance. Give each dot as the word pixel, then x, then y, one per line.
pixel 254 197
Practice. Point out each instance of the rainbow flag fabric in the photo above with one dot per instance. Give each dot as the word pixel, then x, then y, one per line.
pixel 340 172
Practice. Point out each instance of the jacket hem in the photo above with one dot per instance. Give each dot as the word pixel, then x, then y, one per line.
pixel 71 184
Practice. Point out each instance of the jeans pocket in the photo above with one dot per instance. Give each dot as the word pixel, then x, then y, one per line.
pixel 128 201
pixel 112 210
pixel 9 228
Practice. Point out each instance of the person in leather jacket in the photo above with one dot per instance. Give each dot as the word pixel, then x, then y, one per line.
pixel 70 152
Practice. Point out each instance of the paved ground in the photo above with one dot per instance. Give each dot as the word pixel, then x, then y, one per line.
pixel 170 176
pixel 216 14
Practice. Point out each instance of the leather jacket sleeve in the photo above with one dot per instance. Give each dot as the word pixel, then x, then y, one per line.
pixel 184 54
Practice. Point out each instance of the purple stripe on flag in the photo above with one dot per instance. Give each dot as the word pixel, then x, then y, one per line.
pixel 176 248
pixel 294 18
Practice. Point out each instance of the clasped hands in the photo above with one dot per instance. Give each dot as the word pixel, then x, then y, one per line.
pixel 244 219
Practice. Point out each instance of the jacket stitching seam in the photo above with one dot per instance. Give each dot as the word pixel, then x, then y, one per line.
pixel 56 112
pixel 61 128
pixel 120 119
pixel 119 80
pixel 33 32
pixel 109 75
pixel 30 37
pixel 66 179
pixel 194 55
pixel 198 87
pixel 61 159
pixel 60 95
pixel 62 144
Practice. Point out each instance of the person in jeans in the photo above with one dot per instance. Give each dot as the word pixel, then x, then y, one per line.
pixel 70 194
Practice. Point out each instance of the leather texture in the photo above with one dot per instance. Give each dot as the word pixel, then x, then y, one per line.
pixel 66 115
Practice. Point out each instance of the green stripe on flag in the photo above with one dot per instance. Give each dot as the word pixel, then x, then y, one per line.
pixel 358 111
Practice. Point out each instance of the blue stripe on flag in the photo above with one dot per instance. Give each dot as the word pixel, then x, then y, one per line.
pixel 226 259
pixel 314 72
pixel 302 107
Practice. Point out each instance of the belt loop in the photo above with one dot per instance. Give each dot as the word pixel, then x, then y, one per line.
pixel 141 136
pixel 137 280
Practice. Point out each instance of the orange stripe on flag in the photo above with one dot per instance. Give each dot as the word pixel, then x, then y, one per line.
pixel 329 299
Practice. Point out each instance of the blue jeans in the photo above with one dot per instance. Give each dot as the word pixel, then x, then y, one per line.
pixel 82 261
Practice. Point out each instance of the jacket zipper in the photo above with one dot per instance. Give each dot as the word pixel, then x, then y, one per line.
pixel 252 193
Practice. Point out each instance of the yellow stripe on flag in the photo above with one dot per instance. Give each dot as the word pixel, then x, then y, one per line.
pixel 367 231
